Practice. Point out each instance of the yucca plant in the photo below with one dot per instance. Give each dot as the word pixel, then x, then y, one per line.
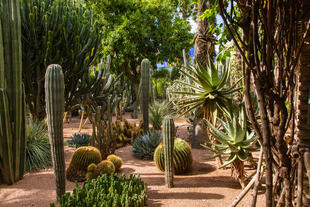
pixel 144 146
pixel 208 92
pixel 157 113
pixel 234 140
pixel 38 149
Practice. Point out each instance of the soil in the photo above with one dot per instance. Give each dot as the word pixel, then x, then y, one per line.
pixel 204 186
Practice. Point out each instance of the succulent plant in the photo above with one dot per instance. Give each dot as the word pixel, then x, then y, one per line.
pixel 107 190
pixel 144 146
pixel 182 157
pixel 79 140
pixel 157 113
pixel 105 167
pixel 234 140
pixel 116 160
pixel 55 106
pixel 80 160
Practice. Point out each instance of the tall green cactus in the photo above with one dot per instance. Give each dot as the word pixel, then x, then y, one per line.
pixel 12 113
pixel 54 98
pixel 145 76
pixel 168 137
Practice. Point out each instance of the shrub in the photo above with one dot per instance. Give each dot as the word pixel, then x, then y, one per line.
pixel 116 160
pixel 144 146
pixel 79 140
pixel 80 160
pixel 157 113
pixel 107 191
pixel 182 157
pixel 38 149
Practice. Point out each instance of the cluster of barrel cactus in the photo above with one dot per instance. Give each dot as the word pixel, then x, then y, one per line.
pixel 80 160
pixel 109 166
pixel 107 190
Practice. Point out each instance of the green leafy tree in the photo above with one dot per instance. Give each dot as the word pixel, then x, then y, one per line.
pixel 136 29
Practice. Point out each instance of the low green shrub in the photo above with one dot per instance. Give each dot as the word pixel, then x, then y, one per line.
pixel 144 146
pixel 38 149
pixel 107 191
pixel 79 140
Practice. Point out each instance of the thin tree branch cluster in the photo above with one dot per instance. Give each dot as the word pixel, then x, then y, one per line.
pixel 269 41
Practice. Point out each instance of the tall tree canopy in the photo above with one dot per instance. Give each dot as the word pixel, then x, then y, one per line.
pixel 136 29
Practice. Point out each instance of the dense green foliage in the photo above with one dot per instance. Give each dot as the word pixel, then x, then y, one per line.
pixel 110 191
pixel 38 148
pixel 59 31
pixel 79 140
pixel 137 29
pixel 144 146
pixel 182 157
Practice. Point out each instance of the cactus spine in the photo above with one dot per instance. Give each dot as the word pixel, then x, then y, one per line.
pixel 168 136
pixel 12 113
pixel 145 75
pixel 54 98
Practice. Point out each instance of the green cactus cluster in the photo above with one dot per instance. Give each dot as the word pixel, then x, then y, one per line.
pixel 58 31
pixel 144 146
pixel 80 160
pixel 109 166
pixel 182 157
pixel 107 190
pixel 125 133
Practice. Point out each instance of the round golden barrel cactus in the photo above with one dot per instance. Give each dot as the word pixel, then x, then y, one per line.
pixel 116 160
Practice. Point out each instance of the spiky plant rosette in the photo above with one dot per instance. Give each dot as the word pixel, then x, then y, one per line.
pixel 157 113
pixel 38 149
pixel 206 90
pixel 79 140
pixel 234 140
pixel 144 146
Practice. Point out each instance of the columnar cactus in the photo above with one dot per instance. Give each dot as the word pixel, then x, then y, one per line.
pixel 168 137
pixel 145 76
pixel 12 111
pixel 54 98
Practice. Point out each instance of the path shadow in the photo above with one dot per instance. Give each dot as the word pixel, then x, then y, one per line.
pixel 155 194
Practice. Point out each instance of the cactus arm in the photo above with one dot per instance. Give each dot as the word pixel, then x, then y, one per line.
pixel 54 97
pixel 145 78
pixel 168 138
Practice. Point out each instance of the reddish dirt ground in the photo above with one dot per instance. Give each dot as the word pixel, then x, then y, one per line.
pixel 204 186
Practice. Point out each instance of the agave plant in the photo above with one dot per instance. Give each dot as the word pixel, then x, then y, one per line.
pixel 234 140
pixel 207 92
pixel 157 113
pixel 144 146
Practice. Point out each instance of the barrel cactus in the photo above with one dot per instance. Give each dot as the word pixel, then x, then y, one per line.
pixel 104 167
pixel 116 160
pixel 80 160
pixel 182 157
pixel 55 105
